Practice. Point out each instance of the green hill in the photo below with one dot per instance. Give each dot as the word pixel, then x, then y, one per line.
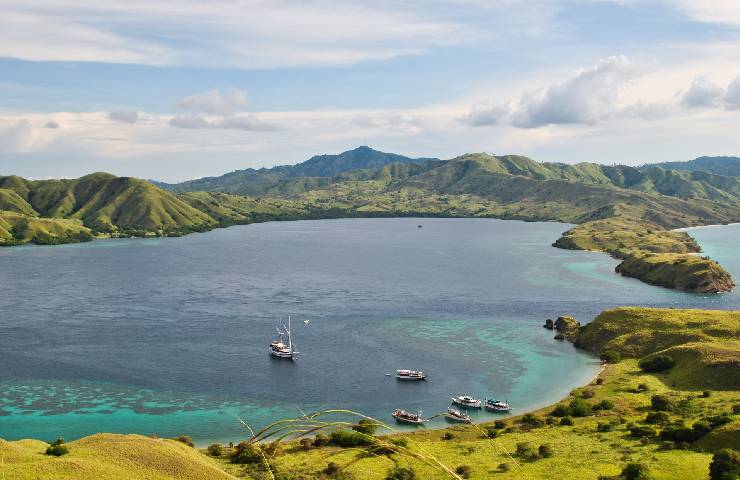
pixel 257 182
pixel 104 203
pixel 728 166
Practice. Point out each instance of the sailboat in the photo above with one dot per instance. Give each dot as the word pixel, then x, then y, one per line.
pixel 278 347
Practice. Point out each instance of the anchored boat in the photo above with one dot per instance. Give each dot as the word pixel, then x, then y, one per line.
pixel 402 416
pixel 497 406
pixel 278 347
pixel 410 375
pixel 466 402
pixel 453 415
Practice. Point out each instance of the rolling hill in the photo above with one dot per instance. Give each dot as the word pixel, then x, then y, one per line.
pixel 257 182
pixel 728 166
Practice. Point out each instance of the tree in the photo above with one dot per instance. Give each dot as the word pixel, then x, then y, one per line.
pixel 661 403
pixel 546 451
pixel 215 450
pixel 580 408
pixel 57 448
pixel 399 473
pixel 366 426
pixel 611 356
pixel 635 471
pixel 464 471
pixel 659 363
pixel 725 465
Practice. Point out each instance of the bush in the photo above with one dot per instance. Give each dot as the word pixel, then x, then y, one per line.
pixel 588 393
pixel 186 439
pixel 306 443
pixel 718 420
pixel 561 410
pixel 464 471
pixel 399 473
pixel 499 424
pixel 566 421
pixel 550 420
pixel 347 439
pixel 448 436
pixel 332 469
pixel 580 408
pixel 677 433
pixel 706 394
pixel 604 405
pixel 526 451
pixel 546 451
pixel 611 356
pixel 532 420
pixel 491 431
pixel 604 427
pixel 736 409
pixel 643 387
pixel 320 440
pixel 366 426
pixel 640 431
pixel 661 403
pixel 658 418
pixel 659 363
pixel 635 471
pixel 725 465
pixel 246 453
pixel 599 381
pixel 504 467
pixel 215 450
pixel 400 442
pixel 57 449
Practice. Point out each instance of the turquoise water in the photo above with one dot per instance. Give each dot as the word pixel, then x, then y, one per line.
pixel 169 336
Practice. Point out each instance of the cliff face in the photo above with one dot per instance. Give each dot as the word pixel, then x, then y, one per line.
pixel 690 273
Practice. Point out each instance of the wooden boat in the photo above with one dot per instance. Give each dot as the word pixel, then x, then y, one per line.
pixel 497 406
pixel 453 415
pixel 402 416
pixel 466 401
pixel 410 375
pixel 278 347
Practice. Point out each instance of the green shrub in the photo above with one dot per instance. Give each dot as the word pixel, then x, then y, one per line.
pixel 366 426
pixel 400 442
pixel 246 453
pixel 504 467
pixel 526 451
pixel 347 439
pixel 186 439
pixel 546 451
pixel 550 420
pixel 658 363
pixel 661 403
pixel 643 387
pixel 214 450
pixel 499 424
pixel 57 449
pixel 580 408
pixel 604 427
pixel 718 420
pixel 399 473
pixel 611 356
pixel 464 471
pixel 491 431
pixel 635 471
pixel 659 418
pixel 599 381
pixel 706 394
pixel 532 420
pixel 640 431
pixel 566 421
pixel 604 405
pixel 448 436
pixel 725 465
pixel 736 409
pixel 320 440
pixel 561 410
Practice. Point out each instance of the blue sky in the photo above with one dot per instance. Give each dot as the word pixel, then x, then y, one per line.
pixel 178 90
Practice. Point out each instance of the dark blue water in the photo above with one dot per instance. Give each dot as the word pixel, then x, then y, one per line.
pixel 170 336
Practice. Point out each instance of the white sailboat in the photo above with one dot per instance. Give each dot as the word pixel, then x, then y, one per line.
pixel 278 347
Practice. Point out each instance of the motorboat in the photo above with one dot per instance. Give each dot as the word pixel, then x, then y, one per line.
pixel 402 416
pixel 497 406
pixel 454 415
pixel 466 401
pixel 410 375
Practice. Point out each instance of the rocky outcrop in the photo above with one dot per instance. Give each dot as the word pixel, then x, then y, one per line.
pixel 567 325
pixel 549 324
pixel 690 273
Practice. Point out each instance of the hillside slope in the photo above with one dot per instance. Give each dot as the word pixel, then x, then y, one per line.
pixel 108 457
pixel 728 166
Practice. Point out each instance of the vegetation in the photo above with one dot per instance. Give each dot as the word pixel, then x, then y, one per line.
pixel 57 449
pixel 727 166
pixel 658 363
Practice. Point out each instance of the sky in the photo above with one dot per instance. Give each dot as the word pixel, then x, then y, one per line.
pixel 175 90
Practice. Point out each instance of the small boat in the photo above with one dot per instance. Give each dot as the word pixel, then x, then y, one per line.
pixel 402 416
pixel 497 406
pixel 457 416
pixel 466 401
pixel 278 347
pixel 410 375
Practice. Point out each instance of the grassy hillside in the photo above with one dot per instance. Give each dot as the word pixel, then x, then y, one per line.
pixel 109 457
pixel 17 229
pixel 728 166
pixel 704 343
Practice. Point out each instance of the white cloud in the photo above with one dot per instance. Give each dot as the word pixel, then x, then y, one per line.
pixel 732 96
pixel 703 93
pixel 246 122
pixel 237 33
pixel 711 11
pixel 190 121
pixel 124 116
pixel 586 98
pixel 215 103
pixel 52 124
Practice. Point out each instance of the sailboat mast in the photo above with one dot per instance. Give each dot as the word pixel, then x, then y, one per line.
pixel 290 340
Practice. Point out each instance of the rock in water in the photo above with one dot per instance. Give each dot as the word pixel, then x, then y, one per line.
pixel 548 324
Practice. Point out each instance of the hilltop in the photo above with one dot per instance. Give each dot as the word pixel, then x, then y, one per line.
pixel 258 181
pixel 728 166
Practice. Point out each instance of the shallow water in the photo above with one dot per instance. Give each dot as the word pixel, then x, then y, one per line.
pixel 170 336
